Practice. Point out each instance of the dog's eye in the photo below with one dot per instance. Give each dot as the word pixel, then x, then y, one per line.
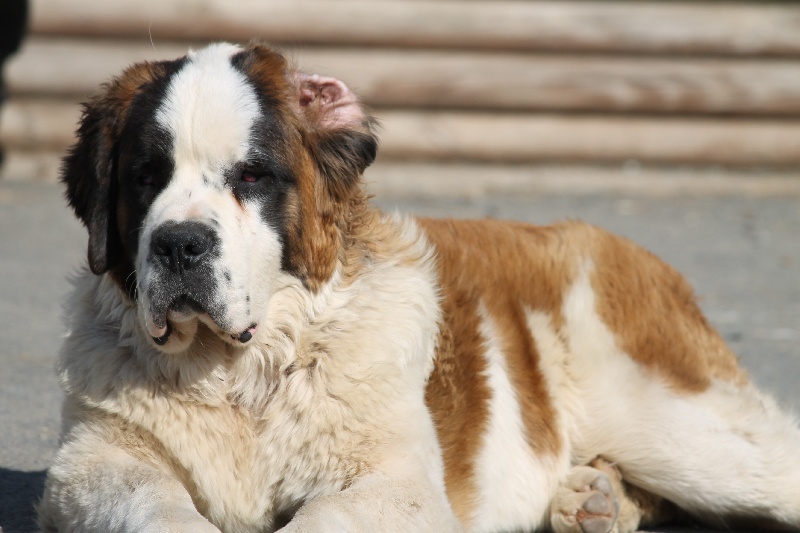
pixel 249 177
pixel 146 180
pixel 254 176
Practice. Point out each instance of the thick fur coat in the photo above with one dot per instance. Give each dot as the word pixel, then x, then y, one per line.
pixel 253 347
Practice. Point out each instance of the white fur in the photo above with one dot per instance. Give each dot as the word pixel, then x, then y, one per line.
pixel 211 133
pixel 555 363
pixel 515 485
pixel 254 436
pixel 209 108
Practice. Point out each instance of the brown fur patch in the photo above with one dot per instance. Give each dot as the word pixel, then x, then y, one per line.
pixel 458 396
pixel 653 312
pixel 123 89
pixel 315 247
pixel 328 203
pixel 312 239
pixel 503 266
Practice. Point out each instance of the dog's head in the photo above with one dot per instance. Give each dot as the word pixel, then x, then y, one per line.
pixel 205 181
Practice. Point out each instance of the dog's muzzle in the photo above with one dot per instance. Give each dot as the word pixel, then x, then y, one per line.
pixel 182 256
pixel 185 280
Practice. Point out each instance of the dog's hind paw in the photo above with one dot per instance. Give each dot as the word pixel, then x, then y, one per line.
pixel 585 502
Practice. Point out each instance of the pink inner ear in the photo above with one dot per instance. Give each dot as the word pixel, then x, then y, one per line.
pixel 337 105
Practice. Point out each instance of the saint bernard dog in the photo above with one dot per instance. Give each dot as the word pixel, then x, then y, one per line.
pixel 254 347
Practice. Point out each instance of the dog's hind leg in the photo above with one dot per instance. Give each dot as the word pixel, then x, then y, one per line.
pixel 724 455
pixel 662 397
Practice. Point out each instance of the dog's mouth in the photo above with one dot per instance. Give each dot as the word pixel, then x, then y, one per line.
pixel 167 318
pixel 183 308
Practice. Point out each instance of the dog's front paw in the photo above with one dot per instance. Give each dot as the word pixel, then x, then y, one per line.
pixel 172 521
pixel 584 503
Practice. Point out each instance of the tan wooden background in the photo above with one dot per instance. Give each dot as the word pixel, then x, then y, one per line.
pixel 472 94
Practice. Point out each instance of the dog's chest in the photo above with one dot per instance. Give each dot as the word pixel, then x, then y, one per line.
pixel 245 467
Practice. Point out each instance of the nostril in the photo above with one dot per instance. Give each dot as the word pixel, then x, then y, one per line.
pixel 194 252
pixel 182 246
pixel 196 248
pixel 164 253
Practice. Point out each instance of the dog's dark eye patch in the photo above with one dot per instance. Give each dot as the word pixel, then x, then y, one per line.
pixel 254 174
pixel 146 173
pixel 144 169
pixel 146 156
pixel 258 178
pixel 152 173
pixel 263 180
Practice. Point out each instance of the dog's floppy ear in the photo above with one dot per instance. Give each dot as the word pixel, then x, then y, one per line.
pixel 87 172
pixel 341 132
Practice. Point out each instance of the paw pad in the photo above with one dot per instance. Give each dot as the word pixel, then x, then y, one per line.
pixel 585 503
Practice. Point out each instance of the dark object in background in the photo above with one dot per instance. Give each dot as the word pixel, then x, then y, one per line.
pixel 13 23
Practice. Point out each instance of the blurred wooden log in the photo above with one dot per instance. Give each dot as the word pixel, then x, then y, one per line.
pixel 521 138
pixel 391 78
pixel 38 124
pixel 76 68
pixel 718 28
pixel 392 179
pixel 574 83
pixel 572 138
pixel 479 92
pixel 30 165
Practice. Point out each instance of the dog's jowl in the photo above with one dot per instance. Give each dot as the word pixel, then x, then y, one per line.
pixel 254 347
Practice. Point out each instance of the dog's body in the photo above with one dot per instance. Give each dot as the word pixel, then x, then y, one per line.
pixel 256 346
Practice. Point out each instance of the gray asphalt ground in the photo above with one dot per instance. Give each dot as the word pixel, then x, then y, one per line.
pixel 741 253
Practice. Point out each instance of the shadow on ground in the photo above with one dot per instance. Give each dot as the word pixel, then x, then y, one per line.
pixel 19 491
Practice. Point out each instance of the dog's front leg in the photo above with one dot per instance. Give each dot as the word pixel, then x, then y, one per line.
pixel 377 502
pixel 94 486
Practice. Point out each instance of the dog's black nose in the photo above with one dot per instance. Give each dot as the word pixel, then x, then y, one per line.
pixel 182 246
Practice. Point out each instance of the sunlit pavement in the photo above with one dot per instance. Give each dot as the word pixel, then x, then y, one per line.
pixel 741 253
